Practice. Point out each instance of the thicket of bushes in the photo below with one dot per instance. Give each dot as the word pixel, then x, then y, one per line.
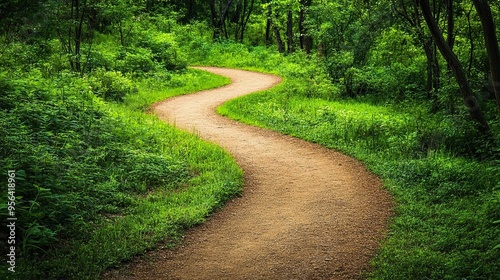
pixel 75 161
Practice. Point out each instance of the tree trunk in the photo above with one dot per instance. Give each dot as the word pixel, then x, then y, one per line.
pixel 491 42
pixel 80 13
pixel 302 30
pixel 247 12
pixel 78 37
pixel 279 42
pixel 289 32
pixel 69 49
pixel 471 42
pixel 436 75
pixel 238 16
pixel 433 72
pixel 218 15
pixel 215 19
pixel 450 39
pixel 305 39
pixel 411 14
pixel 268 26
pixel 469 99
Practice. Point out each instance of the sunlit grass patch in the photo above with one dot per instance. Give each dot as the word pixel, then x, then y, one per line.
pixel 446 223
pixel 105 181
pixel 160 86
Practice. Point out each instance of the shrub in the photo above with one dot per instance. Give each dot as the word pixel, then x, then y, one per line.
pixel 136 60
pixel 74 161
pixel 110 85
pixel 164 51
pixel 338 63
pixel 147 171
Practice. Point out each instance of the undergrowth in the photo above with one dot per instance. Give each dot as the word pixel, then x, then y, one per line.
pixel 99 182
pixel 444 178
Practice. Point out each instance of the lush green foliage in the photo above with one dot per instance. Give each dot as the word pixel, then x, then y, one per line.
pixel 98 183
pixel 102 181
pixel 446 223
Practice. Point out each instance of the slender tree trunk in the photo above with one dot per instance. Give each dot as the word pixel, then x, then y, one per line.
pixel 70 37
pixel 215 19
pixel 471 41
pixel 268 25
pixel 120 31
pixel 301 27
pixel 436 81
pixel 239 15
pixel 80 15
pixel 245 20
pixel 77 14
pixel 223 16
pixel 289 32
pixel 433 72
pixel 305 39
pixel 491 42
pixel 279 42
pixel 411 14
pixel 469 99
pixel 450 39
pixel 222 21
pixel 218 14
pixel 428 56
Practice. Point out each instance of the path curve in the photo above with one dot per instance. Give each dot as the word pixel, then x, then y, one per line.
pixel 306 212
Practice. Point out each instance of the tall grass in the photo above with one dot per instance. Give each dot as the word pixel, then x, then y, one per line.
pixel 446 225
pixel 445 179
pixel 102 182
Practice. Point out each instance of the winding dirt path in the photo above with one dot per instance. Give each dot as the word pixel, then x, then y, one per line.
pixel 306 212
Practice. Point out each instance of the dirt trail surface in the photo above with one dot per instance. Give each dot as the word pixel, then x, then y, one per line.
pixel 306 212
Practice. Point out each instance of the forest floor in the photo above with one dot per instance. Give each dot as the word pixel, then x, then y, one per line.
pixel 306 212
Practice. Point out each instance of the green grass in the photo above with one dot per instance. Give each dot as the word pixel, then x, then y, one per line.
pixel 445 180
pixel 165 85
pixel 101 182
pixel 447 205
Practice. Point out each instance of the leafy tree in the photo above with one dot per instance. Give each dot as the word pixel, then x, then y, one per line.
pixel 120 15
pixel 219 11
pixel 244 9
pixel 489 31
pixel 74 29
pixel 412 20
pixel 469 99
pixel 281 17
pixel 230 15
pixel 23 19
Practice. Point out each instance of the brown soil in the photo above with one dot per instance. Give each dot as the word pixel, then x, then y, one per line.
pixel 306 212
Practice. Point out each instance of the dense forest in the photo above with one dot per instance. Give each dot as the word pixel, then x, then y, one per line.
pixel 409 87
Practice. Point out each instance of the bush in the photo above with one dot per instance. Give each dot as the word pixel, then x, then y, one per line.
pixel 306 78
pixel 164 51
pixel 110 85
pixel 73 160
pixel 338 63
pixel 396 82
pixel 137 60
pixel 147 171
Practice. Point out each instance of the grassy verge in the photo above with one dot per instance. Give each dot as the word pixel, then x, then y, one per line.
pixel 162 86
pixel 447 219
pixel 98 183
pixel 446 225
